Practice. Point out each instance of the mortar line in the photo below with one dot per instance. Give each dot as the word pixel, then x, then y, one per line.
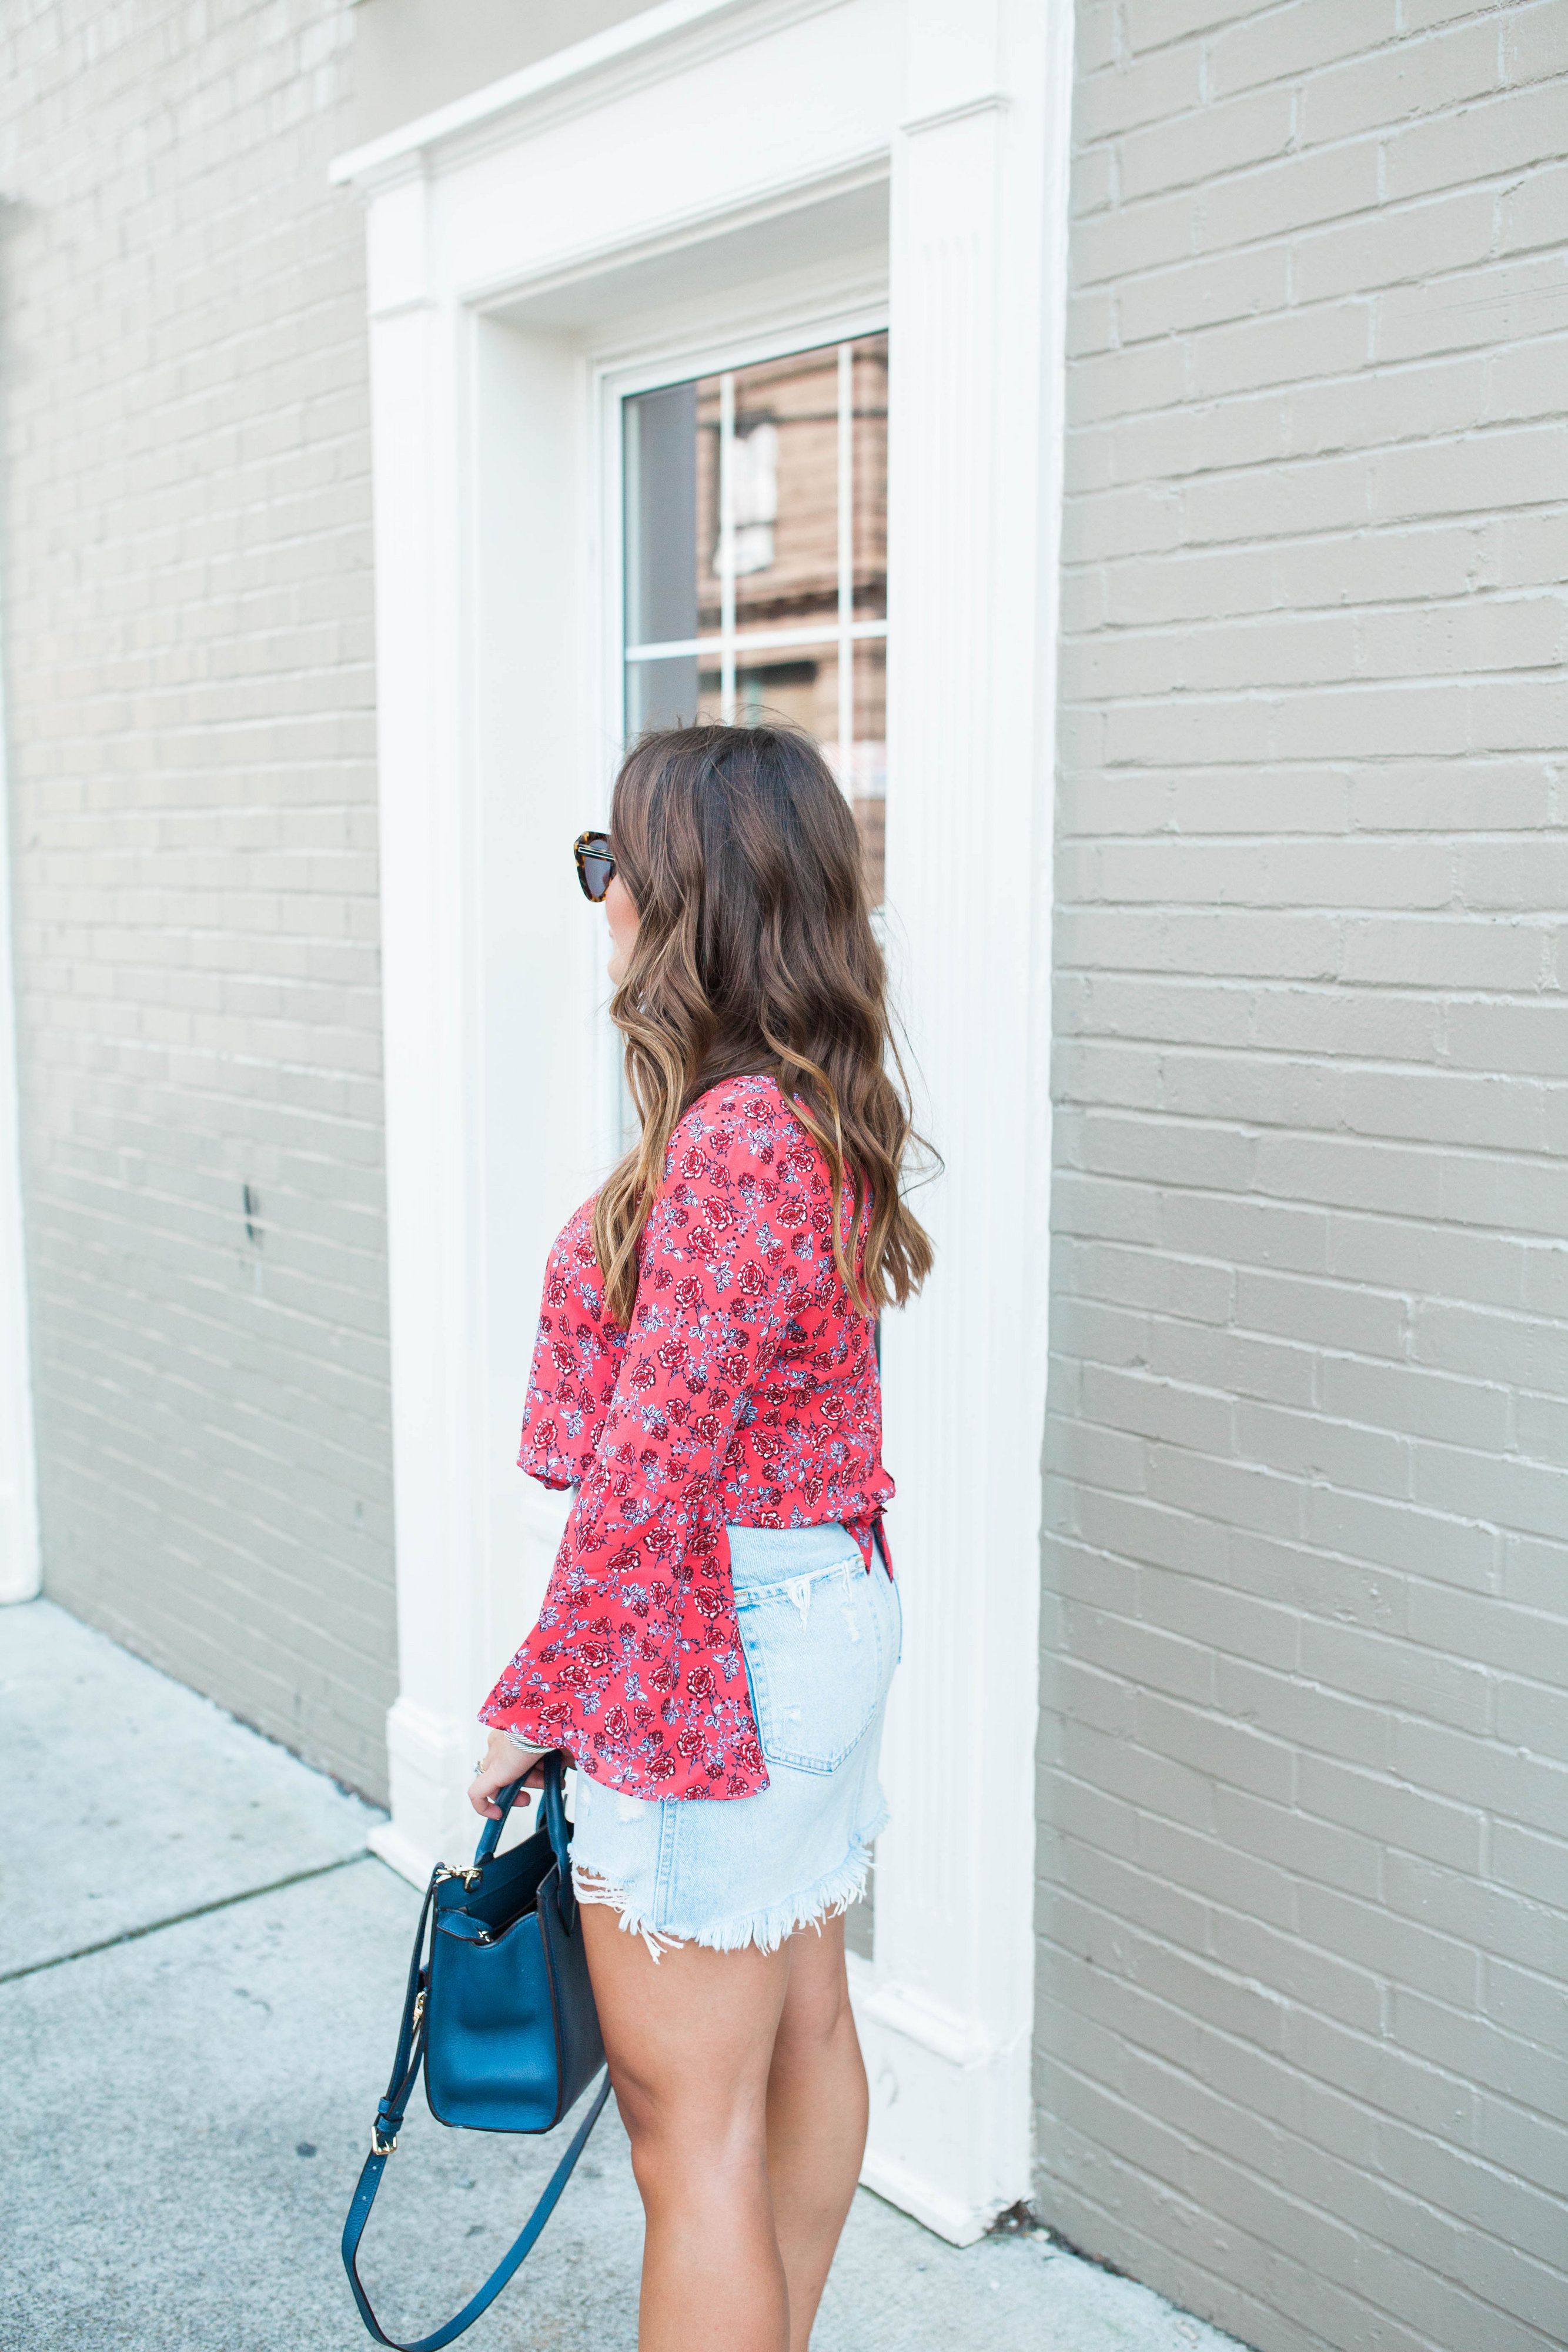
pixel 176 1919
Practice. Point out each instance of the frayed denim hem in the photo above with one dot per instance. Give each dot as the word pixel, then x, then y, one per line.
pixel 764 1930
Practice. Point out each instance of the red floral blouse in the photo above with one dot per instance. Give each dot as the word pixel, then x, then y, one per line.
pixel 744 1391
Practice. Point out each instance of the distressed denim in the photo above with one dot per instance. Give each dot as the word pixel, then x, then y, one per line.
pixel 821 1637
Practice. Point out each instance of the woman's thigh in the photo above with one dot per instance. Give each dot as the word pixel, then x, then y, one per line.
pixel 689 2037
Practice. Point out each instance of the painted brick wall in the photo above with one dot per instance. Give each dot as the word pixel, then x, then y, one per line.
pixel 188 599
pixel 1302 2050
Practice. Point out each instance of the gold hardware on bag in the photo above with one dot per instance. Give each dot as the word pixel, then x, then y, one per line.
pixel 379 2146
pixel 418 2014
pixel 470 1873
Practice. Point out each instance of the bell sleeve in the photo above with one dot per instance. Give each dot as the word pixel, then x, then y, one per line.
pixel 577 1356
pixel 636 1662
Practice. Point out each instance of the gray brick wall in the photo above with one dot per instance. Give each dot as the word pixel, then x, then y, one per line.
pixel 188 599
pixel 1302 2050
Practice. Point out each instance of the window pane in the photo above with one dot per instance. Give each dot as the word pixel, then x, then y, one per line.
pixel 869 377
pixel 743 518
pixel 784 492
pixel 795 685
pixel 662 694
pixel 661 518
pixel 867 780
pixel 707 402
pixel 862 776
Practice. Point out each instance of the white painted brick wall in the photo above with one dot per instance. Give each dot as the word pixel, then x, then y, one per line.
pixel 1303 2060
pixel 187 601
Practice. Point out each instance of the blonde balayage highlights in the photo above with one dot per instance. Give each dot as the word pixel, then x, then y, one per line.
pixel 755 953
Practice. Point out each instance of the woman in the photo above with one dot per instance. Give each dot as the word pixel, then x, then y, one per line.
pixel 718 1635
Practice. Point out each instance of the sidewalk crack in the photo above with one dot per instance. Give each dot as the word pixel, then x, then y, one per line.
pixel 197 1911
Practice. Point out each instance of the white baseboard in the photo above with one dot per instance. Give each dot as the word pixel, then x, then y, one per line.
pixel 21 1577
pixel 430 1763
pixel 912 2193
pixel 943 2108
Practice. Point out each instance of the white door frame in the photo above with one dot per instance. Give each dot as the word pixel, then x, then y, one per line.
pixel 21 1563
pixel 696 175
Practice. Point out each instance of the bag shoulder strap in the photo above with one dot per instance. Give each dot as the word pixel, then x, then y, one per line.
pixel 516 2254
pixel 392 2106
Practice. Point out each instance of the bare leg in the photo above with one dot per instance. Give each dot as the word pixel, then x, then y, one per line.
pixel 817 2108
pixel 690 2042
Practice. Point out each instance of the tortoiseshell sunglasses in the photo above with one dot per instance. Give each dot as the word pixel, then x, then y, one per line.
pixel 595 865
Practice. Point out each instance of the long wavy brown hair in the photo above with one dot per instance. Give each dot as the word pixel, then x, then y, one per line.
pixel 755 953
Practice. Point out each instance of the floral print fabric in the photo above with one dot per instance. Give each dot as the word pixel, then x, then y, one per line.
pixel 746 1390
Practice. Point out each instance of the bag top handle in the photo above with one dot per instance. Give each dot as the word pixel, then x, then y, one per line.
pixel 554 1791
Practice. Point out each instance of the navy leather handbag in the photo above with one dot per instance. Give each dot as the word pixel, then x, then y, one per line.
pixel 501 2014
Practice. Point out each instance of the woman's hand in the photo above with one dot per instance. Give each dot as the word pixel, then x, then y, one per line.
pixel 504 1762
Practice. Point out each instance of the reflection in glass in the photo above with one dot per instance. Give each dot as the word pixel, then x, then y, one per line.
pixel 753 500
pixel 868 363
pixel 756 556
pixel 779 479
pixel 863 777
pixel 664 693
pixel 661 516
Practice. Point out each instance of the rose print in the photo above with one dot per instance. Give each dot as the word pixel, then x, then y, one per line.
pixel 645 1672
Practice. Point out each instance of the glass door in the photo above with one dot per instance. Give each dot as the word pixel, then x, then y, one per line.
pixel 754 530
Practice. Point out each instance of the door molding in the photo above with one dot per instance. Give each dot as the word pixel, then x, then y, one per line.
pixel 516 276
pixel 21 1559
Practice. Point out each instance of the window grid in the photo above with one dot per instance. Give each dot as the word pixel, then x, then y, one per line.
pixel 846 567
pixel 758 641
pixel 731 643
pixel 726 544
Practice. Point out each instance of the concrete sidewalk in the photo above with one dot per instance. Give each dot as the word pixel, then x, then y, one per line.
pixel 201 1969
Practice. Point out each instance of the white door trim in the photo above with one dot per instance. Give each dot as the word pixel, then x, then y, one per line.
pixel 649 47
pixel 515 274
pixel 21 1565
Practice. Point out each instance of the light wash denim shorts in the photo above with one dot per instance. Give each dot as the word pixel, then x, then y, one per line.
pixel 822 1638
